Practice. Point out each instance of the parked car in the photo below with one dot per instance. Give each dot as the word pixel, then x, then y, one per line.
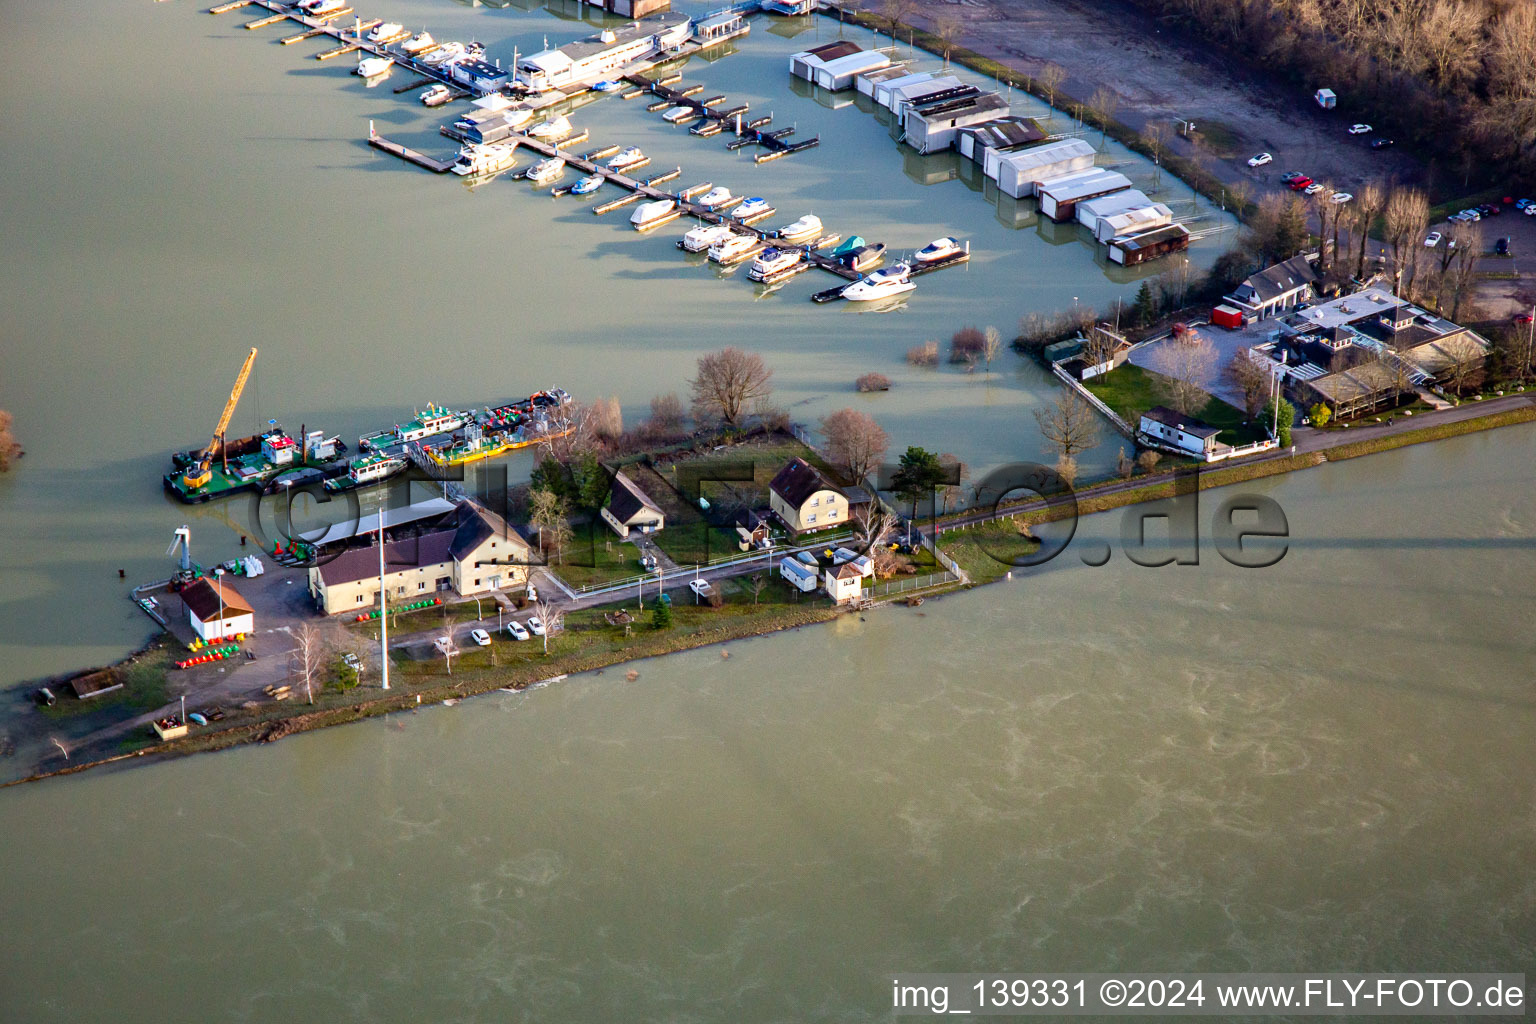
pixel 1432 239
pixel 1501 247
pixel 1313 189
pixel 480 637
pixel 1530 211
pixel 350 660
pixel 1340 197
pixel 1290 176
pixel 1360 129
pixel 1523 318
pixel 1300 183
pixel 1521 204
pixel 1382 143
pixel 701 587
pixel 1489 210
pixel 516 631
pixel 1260 160
pixel 535 625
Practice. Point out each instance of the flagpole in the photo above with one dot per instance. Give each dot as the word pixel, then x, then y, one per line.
pixel 383 609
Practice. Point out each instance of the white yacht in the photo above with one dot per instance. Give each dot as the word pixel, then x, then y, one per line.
pixel 772 262
pixel 882 284
pixel 680 113
pixel 716 198
pixel 626 157
pixel 553 128
pixel 938 249
pixel 806 227
pixel 489 158
pixel 388 30
pixel 653 213
pixel 546 171
pixel 322 6
pixel 437 95
pixel 373 67
pixel 705 236
pixel 419 43
pixel 516 117
pixel 586 186
pixel 444 54
pixel 732 249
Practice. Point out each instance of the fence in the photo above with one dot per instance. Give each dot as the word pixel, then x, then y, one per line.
pixel 1093 400
pixel 910 584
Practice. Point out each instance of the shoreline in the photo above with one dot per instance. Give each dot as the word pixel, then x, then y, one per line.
pixel 1100 498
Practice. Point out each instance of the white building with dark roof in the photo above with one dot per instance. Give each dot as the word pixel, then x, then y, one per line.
pixel 835 65
pixel 1171 429
pixel 1019 174
pixel 1278 288
pixel 629 508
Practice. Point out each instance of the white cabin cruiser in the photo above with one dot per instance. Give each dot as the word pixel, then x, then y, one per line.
pixel 882 284
pixel 705 236
pixel 373 67
pixel 751 207
pixel 806 227
pixel 772 262
pixel 553 128
pixel 418 43
pixel 716 198
pixel 388 30
pixel 680 113
pixel 938 249
pixel 322 6
pixel 444 54
pixel 546 171
pixel 732 248
pixel 489 158
pixel 437 95
pixel 626 157
pixel 653 213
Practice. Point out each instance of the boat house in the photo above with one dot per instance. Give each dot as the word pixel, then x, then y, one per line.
pixel 1019 174
pixel 1059 196
pixel 717 28
pixel 1129 250
pixel 1122 213
pixel 1170 429
pixel 630 509
pixel 216 610
pixel 933 123
pixel 479 75
pixel 835 65
pixel 587 60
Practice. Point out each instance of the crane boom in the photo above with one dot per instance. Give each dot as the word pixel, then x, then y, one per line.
pixel 203 472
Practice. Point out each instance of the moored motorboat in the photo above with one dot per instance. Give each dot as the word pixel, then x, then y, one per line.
pixel 752 206
pixel 553 128
pixel 863 257
pixel 419 43
pixel 772 262
pixel 629 156
pixel 437 95
pixel 733 248
pixel 806 227
pixel 607 86
pixel 938 249
pixel 680 113
pixel 705 236
pixel 387 30
pixel 444 54
pixel 586 186
pixel 373 67
pixel 546 171
pixel 516 117
pixel 882 284
pixel 321 6
pixel 715 198
pixel 489 158
pixel 653 213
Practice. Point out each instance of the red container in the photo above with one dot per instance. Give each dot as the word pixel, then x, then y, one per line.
pixel 1226 316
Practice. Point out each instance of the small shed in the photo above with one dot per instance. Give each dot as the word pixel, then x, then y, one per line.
pixel 1130 250
pixel 835 65
pixel 1019 174
pixel 1326 98
pixel 1059 196
pixel 843 582
pixel 479 74
pixel 717 28
pixel 216 610
pixel 1226 316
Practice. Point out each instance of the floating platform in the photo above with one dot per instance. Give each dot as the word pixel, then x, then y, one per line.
pixel 662 178
pixel 300 37
pixel 337 51
pixel 271 19
pixel 753 218
pixel 235 5
pixel 632 94
pixel 614 204
pixel 666 218
pixel 692 90
pixel 919 269
pixel 409 155
pixel 658 105
pixel 695 190
pixel 782 275
pixel 706 129
pixel 601 152
pixel 326 19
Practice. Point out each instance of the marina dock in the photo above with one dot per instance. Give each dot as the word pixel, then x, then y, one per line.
pixel 412 156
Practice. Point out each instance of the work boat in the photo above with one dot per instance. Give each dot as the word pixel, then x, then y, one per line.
pixel 751 206
pixel 806 227
pixel 626 157
pixel 437 95
pixel 651 214
pixel 716 198
pixel 373 67
pixel 388 30
pixel 680 113
pixel 772 262
pixel 732 248
pixel 419 43
pixel 882 284
pixel 546 171
pixel 485 159
pixel 705 236
pixel 938 249
pixel 554 128
pixel 444 54
pixel 586 186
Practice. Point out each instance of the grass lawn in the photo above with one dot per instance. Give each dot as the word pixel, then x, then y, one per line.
pixel 989 550
pixel 144 686
pixel 597 556
pixel 1131 390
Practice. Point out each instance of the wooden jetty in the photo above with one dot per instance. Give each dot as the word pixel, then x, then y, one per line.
pixel 695 190
pixel 416 84
pixel 271 19
pixel 705 129
pixel 410 155
pixel 692 90
pixel 663 178
pixel 337 51
pixel 233 5
pixel 331 16
pixel 632 94
pixel 601 152
pixel 300 37
pixel 658 105
pixel 614 204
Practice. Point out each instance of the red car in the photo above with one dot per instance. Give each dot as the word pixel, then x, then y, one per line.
pixel 1300 183
pixel 1523 318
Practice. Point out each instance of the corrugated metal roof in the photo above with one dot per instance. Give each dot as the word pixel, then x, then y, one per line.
pixel 1050 153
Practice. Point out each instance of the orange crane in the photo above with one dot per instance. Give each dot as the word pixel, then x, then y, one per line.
pixel 199 475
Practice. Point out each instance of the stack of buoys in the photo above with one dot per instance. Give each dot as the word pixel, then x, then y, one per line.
pixel 428 602
pixel 213 654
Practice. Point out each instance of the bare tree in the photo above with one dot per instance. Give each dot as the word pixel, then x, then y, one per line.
pixel 310 649
pixel 607 419
pixel 1250 374
pixel 1407 217
pixel 1469 246
pixel 549 514
pixel 1101 344
pixel 926 354
pixel 895 12
pixel 666 415
pixel 873 523
pixel 1467 358
pixel 1104 103
pixel 1155 137
pixel 947 27
pixel 855 441
pixel 1050 78
pixel 730 383
pixel 1186 364
pixel 1367 207
pixel 1066 468
pixel 991 345
pixel 1070 424
pixel 1148 460
pixel 872 382
pixel 757 583
pixel 552 617
pixel 10 450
